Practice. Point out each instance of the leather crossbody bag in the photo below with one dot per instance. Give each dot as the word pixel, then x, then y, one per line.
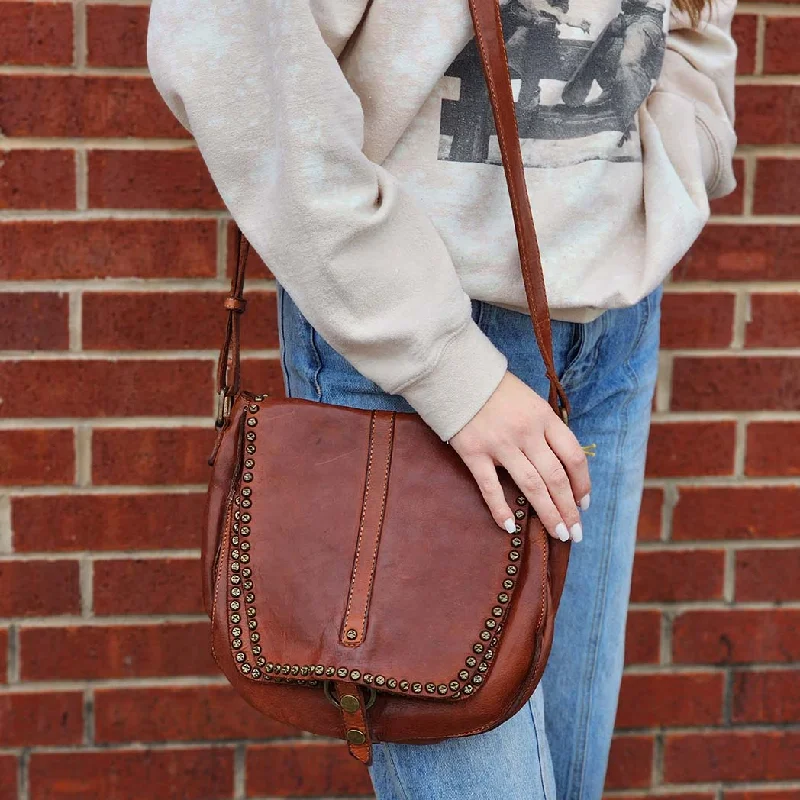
pixel 357 584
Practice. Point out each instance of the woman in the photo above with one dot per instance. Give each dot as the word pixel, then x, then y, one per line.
pixel 353 144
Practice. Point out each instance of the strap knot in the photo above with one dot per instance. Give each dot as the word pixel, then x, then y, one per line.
pixel 237 304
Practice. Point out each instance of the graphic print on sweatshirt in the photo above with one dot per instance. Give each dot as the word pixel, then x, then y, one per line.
pixel 578 81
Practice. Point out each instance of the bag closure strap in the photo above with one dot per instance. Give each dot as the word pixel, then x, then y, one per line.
pixel 492 50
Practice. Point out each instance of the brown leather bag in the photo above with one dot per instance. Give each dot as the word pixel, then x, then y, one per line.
pixel 357 585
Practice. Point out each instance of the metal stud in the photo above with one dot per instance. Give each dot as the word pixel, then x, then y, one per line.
pixel 251 612
pixel 454 685
pixel 464 675
pixel 252 422
pixel 245 530
pixel 508 584
pixel 252 409
pixel 392 683
pixel 516 542
pixel 485 635
pixel 236 644
pixel 502 597
pixel 430 688
pixel 236 632
pixel 483 666
pixel 368 677
pixel 442 688
pixel 514 555
pixel 235 605
pixel 249 463
pixel 379 680
pixel 240 657
pixel 245 668
pixel 247 503
pixel 251 448
pixel 477 647
pixel 247 490
pixel 261 661
pixel 489 655
pixel 319 669
pixel 247 477
pixel 342 672
pixel 511 569
pixel 256 650
pixel 244 558
pixel 251 436
pixel 469 689
pixel 236 618
pixel 518 528
pixel 254 637
pixel 330 671
pixel 247 572
pixel 490 623
pixel 351 634
pixel 522 500
pixel 245 546
pixel 252 624
pixel 246 518
pixel 235 579
pixel 403 686
pixel 250 597
pixel 304 671
pixel 519 513
pixel 355 674
pixel 477 680
pixel 236 591
pixel 416 688
pixel 497 611
pixel 285 669
pixel 471 661
pixel 256 673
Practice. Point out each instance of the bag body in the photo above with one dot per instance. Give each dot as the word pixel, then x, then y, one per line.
pixel 357 584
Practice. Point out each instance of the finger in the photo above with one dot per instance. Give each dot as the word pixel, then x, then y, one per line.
pixel 567 449
pixel 558 485
pixel 532 485
pixel 485 474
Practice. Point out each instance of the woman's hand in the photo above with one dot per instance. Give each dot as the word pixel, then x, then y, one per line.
pixel 518 430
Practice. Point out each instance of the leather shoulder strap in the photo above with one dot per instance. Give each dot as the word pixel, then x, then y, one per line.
pixel 492 50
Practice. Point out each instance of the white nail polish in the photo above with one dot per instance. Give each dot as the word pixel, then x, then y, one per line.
pixel 576 532
pixel 510 525
pixel 584 502
pixel 562 532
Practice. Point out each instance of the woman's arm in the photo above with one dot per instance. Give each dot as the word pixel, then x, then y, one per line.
pixel 700 66
pixel 281 131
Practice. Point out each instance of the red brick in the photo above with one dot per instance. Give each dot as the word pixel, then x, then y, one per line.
pixel 36 34
pixel 630 763
pixel 772 448
pixel 643 637
pixel 766 697
pixel 3 663
pixel 173 321
pixel 735 383
pixel 43 718
pixel 305 770
pixel 255 267
pixel 100 388
pixel 650 701
pixel 780 46
pixel 762 794
pixel 147 586
pixel 775 186
pixel 732 203
pixel 696 319
pixel 736 636
pixel 677 449
pixel 744 32
pixel 37 457
pixel 39 588
pixel 116 36
pixel 751 756
pixel 108 249
pixel 196 774
pixel 107 522
pixel 735 512
pixel 263 376
pixel 742 252
pixel 774 320
pixel 768 114
pixel 121 651
pixel 34 321
pixel 179 714
pixel 675 576
pixel 151 456
pixel 37 178
pixel 9 767
pixel 150 179
pixel 85 105
pixel 649 529
pixel 768 576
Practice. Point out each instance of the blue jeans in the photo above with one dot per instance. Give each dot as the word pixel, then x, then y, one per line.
pixel 557 746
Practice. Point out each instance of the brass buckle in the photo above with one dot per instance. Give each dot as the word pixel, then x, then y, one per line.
pixel 329 694
pixel 224 404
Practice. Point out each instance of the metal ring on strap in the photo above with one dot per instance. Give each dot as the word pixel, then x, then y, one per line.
pixel 329 694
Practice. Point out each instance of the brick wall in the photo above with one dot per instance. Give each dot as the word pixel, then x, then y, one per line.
pixel 113 253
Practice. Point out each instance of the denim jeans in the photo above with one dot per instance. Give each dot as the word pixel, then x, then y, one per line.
pixel 557 745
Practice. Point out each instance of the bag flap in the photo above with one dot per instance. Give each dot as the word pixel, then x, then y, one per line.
pixel 441 575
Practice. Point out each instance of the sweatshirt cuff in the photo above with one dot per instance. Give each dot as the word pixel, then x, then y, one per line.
pixel 715 153
pixel 465 376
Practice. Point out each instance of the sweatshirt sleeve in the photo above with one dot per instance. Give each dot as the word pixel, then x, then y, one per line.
pixel 700 66
pixel 259 86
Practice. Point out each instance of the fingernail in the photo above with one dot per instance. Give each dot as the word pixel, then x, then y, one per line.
pixel 510 525
pixel 584 502
pixel 562 532
pixel 576 532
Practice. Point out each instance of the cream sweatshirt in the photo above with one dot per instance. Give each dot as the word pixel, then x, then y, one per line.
pixel 353 143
